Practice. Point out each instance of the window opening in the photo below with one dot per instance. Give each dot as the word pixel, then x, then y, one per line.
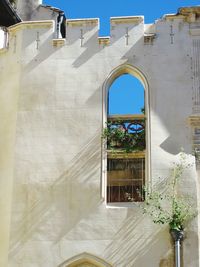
pixel 125 140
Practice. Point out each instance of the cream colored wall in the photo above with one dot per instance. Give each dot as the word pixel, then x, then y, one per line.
pixel 9 86
pixel 57 208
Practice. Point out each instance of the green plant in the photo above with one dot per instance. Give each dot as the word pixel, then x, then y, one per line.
pixel 165 205
pixel 118 137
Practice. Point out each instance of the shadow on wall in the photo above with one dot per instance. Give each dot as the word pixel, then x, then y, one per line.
pixel 76 194
pixel 45 50
pixel 138 242
pixel 52 210
pixel 167 104
pixel 73 38
pixel 90 48
pixel 176 137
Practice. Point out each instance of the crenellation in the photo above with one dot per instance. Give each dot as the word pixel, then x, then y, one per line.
pixel 32 25
pixel 126 30
pixel 58 42
pixel 185 11
pixel 126 20
pixel 82 31
pixel 172 17
pixel 105 40
pixel 83 22
pixel 187 14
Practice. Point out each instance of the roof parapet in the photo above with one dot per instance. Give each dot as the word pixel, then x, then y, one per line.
pixel 189 14
pixel 83 22
pixel 126 20
pixel 185 11
pixel 104 40
pixel 31 24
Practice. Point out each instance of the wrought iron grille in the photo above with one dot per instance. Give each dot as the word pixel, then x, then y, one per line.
pixel 125 133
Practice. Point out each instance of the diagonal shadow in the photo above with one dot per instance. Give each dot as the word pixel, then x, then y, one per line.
pixel 44 52
pixel 91 48
pixel 81 197
pixel 136 242
pixel 72 38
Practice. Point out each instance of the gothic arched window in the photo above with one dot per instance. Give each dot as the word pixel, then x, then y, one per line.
pixel 125 137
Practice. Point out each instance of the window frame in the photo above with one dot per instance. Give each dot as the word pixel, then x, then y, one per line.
pixel 117 72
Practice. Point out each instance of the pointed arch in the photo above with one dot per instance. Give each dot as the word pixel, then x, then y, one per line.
pixel 114 74
pixel 83 259
pixel 118 71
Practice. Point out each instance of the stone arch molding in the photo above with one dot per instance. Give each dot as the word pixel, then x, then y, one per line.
pixel 117 72
pixel 123 69
pixel 85 260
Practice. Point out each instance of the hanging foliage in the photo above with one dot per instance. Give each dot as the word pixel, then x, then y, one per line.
pixel 165 205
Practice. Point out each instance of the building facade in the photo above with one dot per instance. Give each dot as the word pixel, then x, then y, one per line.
pixel 54 85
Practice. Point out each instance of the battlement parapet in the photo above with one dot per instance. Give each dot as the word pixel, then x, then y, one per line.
pixel 90 22
pixel 127 30
pixel 84 32
pixel 187 14
pixel 105 40
pixel 126 20
pixel 58 42
pixel 80 31
pixel 31 24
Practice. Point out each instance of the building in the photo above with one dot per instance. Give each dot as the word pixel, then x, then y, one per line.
pixel 55 206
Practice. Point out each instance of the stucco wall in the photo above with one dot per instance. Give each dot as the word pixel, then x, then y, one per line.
pixel 10 76
pixel 58 210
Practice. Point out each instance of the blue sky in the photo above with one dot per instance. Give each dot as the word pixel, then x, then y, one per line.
pixel 126 96
pixel 104 9
pixel 126 93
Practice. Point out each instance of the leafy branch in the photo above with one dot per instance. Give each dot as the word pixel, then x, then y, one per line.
pixel 165 205
pixel 118 137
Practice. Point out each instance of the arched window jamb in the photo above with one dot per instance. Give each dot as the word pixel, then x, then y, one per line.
pixel 120 70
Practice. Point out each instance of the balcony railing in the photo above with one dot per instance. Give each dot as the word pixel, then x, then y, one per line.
pixel 125 133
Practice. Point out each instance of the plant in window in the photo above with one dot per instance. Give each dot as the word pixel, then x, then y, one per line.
pixel 125 137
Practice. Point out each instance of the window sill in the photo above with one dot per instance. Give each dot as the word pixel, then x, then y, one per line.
pixel 122 154
pixel 118 205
